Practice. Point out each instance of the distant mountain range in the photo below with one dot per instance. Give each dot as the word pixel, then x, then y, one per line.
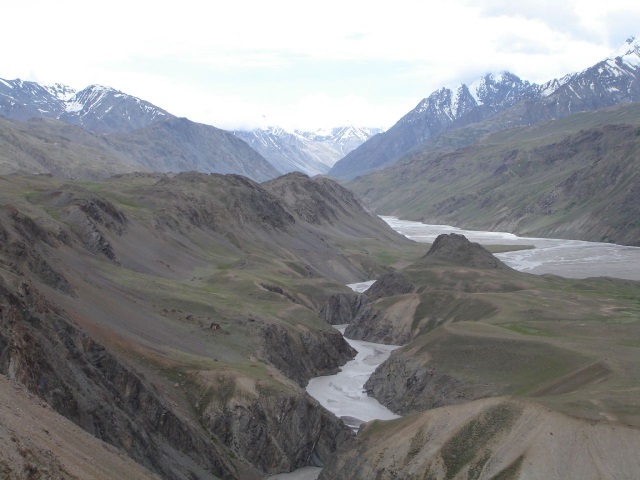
pixel 133 133
pixel 312 153
pixel 115 133
pixel 144 135
pixel 500 101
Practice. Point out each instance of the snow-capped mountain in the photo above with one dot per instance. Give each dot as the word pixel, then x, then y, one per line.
pixel 341 139
pixel 22 100
pixel 507 100
pixel 616 79
pixel 139 135
pixel 96 108
pixel 489 94
pixel 312 153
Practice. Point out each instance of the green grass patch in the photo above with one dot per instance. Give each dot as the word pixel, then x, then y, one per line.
pixel 525 329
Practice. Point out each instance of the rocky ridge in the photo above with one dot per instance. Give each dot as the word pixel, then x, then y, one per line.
pixel 174 317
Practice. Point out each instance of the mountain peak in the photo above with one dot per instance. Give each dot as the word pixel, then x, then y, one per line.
pixel 628 52
pixel 60 91
pixel 446 105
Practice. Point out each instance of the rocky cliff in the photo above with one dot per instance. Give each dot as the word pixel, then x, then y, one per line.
pixel 175 317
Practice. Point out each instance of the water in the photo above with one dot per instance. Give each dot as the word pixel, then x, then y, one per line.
pixel 343 394
pixel 568 258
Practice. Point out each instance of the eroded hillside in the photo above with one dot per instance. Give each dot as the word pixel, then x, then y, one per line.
pixel 175 318
pixel 500 373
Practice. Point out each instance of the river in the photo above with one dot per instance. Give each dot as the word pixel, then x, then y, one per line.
pixel 343 393
pixel 568 258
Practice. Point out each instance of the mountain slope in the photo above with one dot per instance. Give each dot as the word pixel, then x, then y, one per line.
pixel 174 317
pixel 46 146
pixel 178 145
pixel 498 102
pixel 570 178
pixel 54 147
pixel 489 439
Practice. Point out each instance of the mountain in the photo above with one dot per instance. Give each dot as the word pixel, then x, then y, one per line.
pixel 576 177
pixel 106 110
pixel 178 145
pixel 443 110
pixel 289 151
pixel 122 133
pixel 341 139
pixel 491 376
pixel 614 80
pixel 500 102
pixel 312 153
pixel 175 319
pixel 172 145
pixel 97 108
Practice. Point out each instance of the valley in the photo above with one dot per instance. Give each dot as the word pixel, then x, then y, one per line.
pixel 175 317
pixel 548 352
pixel 180 301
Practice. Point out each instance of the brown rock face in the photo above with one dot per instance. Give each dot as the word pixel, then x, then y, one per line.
pixel 389 284
pixel 341 308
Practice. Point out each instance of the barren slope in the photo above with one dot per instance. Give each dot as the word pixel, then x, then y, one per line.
pixel 175 318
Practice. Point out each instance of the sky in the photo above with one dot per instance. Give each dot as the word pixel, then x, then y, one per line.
pixel 307 65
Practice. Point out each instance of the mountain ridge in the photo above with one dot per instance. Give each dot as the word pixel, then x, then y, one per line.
pixel 97 108
pixel 506 98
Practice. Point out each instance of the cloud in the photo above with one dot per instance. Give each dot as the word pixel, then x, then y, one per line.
pixel 223 60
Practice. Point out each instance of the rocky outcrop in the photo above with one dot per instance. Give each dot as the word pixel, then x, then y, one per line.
pixel 341 308
pixel 301 356
pixel 280 433
pixel 405 385
pixel 389 284
pixel 18 252
pixel 456 249
pixel 373 324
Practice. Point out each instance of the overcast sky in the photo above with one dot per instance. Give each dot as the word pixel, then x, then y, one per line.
pixel 303 64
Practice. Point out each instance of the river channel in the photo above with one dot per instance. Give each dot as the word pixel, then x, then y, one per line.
pixel 568 258
pixel 343 394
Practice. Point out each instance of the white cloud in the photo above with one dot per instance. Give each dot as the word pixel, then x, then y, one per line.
pixel 179 55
